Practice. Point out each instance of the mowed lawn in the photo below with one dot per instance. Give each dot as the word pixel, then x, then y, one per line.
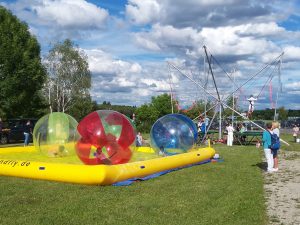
pixel 229 192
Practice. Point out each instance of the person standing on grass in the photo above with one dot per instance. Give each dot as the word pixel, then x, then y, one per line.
pixel 266 145
pixel 230 130
pixel 199 125
pixel 139 140
pixel 27 132
pixel 295 132
pixel 242 129
pixel 275 129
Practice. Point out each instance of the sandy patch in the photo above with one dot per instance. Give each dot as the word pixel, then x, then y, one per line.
pixel 283 190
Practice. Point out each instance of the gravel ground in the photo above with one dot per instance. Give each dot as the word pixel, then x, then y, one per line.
pixel 283 190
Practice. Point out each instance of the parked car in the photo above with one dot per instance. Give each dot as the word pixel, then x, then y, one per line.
pixel 13 130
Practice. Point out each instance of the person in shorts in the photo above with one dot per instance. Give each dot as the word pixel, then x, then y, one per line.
pixel 275 129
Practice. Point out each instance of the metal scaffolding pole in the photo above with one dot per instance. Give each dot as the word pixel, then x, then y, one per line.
pixel 221 102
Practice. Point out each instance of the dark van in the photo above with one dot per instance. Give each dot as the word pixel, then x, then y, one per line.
pixel 13 130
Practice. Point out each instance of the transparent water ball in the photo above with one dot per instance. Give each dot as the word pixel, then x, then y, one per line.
pixel 55 135
pixel 173 134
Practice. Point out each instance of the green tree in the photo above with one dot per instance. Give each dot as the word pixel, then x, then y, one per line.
pixel 124 109
pixel 162 103
pixel 145 117
pixel 199 109
pixel 147 114
pixel 283 114
pixel 231 102
pixel 69 79
pixel 293 113
pixel 82 107
pixel 266 114
pixel 21 72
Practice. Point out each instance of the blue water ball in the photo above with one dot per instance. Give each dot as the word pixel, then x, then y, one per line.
pixel 173 134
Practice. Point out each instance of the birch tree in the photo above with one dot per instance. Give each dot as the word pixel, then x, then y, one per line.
pixel 69 78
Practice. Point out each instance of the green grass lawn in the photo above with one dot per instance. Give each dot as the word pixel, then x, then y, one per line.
pixel 290 139
pixel 229 192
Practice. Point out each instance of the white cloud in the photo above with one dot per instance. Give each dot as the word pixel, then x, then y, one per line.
pixel 268 57
pixel 128 81
pixel 135 68
pixel 213 2
pixel 291 53
pixel 161 37
pixel 259 29
pixel 293 85
pixel 124 82
pixel 245 63
pixel 141 12
pixel 155 84
pixel 146 43
pixel 104 63
pixel 71 13
pixel 55 20
pixel 225 40
pixel 189 41
pixel 199 13
pixel 143 96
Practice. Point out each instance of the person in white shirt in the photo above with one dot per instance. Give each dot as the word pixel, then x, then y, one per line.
pixel 295 132
pixel 230 130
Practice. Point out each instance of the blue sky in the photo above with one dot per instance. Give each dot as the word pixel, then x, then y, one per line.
pixel 128 44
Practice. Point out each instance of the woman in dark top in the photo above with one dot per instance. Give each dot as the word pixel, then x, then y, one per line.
pixel 27 132
pixel 1 125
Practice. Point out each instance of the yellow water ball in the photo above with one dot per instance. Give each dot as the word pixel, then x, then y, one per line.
pixel 55 135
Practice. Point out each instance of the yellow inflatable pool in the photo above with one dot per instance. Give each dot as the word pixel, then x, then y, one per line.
pixel 99 174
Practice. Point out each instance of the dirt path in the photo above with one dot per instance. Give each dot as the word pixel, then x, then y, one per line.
pixel 283 190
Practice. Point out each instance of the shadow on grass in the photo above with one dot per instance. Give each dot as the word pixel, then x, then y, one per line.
pixel 262 165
